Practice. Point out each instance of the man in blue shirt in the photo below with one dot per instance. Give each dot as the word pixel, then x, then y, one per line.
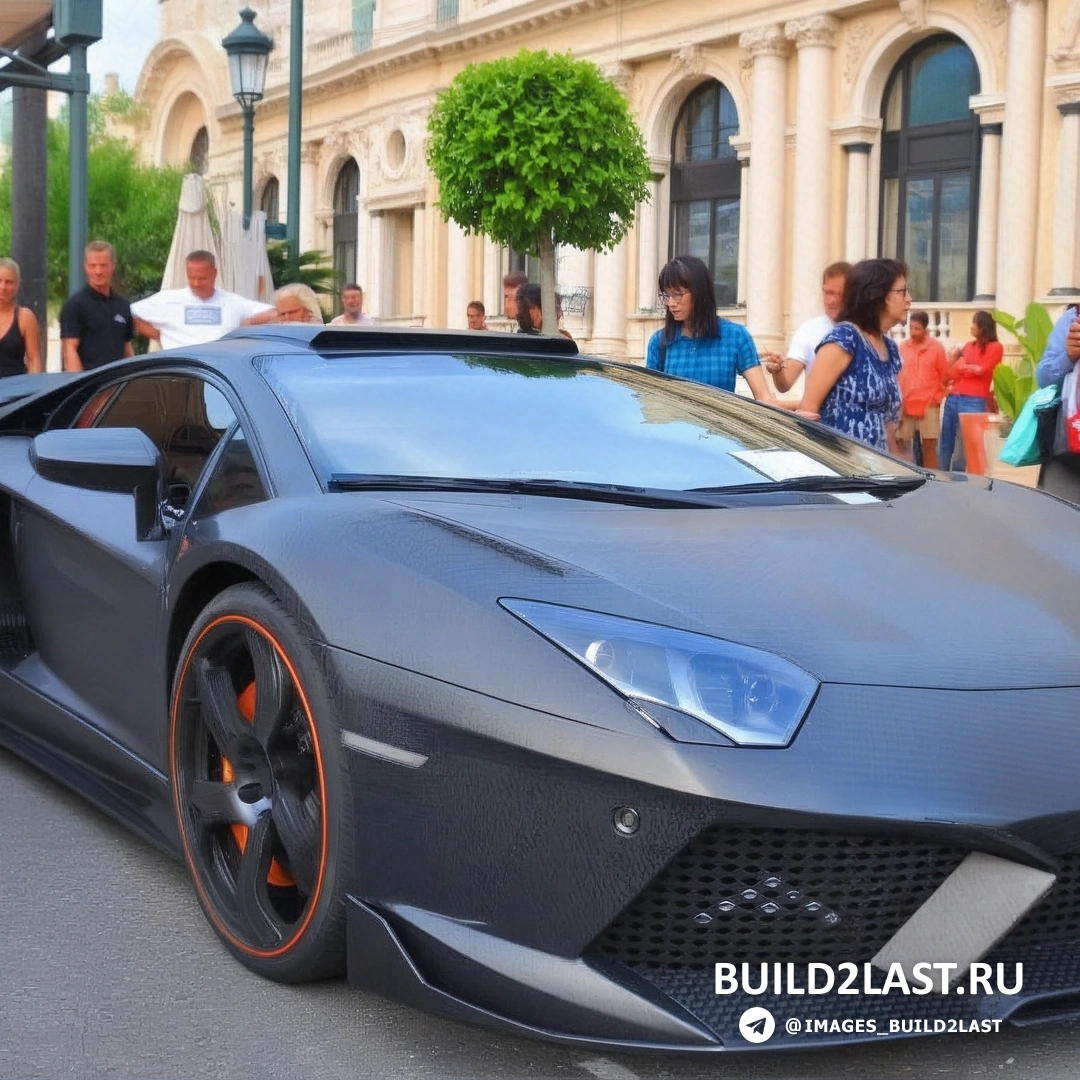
pixel 1056 363
pixel 1061 474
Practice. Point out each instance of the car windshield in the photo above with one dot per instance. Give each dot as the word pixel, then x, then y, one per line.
pixel 569 419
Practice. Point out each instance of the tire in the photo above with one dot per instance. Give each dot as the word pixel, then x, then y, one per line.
pixel 259 787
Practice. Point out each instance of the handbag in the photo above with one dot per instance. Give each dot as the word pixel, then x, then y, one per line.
pixel 1070 406
pixel 1032 435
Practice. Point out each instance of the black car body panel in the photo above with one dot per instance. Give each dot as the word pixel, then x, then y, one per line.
pixel 489 768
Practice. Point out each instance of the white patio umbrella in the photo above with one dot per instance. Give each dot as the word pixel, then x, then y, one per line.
pixel 192 232
pixel 244 266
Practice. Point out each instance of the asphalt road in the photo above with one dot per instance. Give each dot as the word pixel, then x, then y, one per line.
pixel 110 970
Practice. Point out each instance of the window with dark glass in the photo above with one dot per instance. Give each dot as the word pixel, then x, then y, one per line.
pixel 529 265
pixel 235 480
pixel 184 417
pixel 705 187
pixel 269 201
pixel 346 193
pixel 930 169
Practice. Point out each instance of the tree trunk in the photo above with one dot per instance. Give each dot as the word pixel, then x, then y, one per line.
pixel 547 283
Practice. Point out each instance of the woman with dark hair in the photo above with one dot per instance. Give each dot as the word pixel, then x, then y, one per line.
pixel 972 372
pixel 853 386
pixel 695 342
pixel 530 315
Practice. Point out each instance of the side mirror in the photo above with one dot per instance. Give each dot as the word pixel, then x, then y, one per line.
pixel 120 460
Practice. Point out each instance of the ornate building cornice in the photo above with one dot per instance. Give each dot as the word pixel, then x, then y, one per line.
pixel 470 36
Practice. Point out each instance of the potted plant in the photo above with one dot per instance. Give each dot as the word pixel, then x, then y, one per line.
pixel 1015 383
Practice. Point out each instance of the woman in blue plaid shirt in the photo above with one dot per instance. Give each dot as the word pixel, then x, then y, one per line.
pixel 695 342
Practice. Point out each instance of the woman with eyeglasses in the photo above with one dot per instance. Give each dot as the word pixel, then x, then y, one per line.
pixel 695 342
pixel 971 369
pixel 853 385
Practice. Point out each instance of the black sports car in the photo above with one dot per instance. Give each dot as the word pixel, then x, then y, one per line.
pixel 553 693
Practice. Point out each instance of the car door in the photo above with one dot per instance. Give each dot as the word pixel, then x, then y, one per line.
pixel 94 591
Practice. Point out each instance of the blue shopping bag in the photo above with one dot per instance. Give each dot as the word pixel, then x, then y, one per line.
pixel 1022 445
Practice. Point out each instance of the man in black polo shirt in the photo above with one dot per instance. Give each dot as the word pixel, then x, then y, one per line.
pixel 95 322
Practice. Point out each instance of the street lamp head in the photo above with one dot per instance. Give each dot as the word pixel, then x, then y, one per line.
pixel 249 51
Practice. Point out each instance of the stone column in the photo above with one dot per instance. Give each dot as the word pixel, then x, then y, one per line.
pixel 309 155
pixel 492 278
pixel 458 276
pixel 648 248
pixel 363 246
pixel 419 260
pixel 609 303
pixel 376 266
pixel 764 307
pixel 1065 279
pixel 813 37
pixel 1024 76
pixel 986 246
pixel 741 145
pixel 858 194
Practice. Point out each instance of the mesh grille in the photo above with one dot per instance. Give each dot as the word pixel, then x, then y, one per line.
pixel 1056 918
pixel 14 633
pixel 745 894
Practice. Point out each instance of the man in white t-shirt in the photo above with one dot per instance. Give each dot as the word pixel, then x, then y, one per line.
pixel 352 301
pixel 785 370
pixel 193 316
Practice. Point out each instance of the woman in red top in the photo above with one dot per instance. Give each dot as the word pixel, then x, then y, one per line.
pixel 972 372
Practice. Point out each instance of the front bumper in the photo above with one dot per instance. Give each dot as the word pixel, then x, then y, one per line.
pixel 491 884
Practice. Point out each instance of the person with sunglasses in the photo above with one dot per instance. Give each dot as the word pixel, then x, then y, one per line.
pixel 695 343
pixel 853 385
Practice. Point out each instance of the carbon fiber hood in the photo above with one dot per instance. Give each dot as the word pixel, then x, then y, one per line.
pixel 952 585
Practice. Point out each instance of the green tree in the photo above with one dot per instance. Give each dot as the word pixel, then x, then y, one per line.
pixel 534 150
pixel 133 206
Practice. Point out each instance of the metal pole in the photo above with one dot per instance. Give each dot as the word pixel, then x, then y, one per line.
pixel 79 195
pixel 296 92
pixel 29 236
pixel 249 137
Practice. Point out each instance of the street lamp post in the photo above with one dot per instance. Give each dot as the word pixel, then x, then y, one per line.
pixel 249 53
pixel 296 91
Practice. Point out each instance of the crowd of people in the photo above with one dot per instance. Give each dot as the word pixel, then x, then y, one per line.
pixel 904 399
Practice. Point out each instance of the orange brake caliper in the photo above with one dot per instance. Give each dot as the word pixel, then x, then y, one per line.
pixel 277 875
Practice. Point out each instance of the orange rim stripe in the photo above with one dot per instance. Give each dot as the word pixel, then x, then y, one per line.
pixel 313 901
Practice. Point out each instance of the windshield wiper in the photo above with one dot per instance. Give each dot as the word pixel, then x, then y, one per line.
pixel 560 489
pixel 884 486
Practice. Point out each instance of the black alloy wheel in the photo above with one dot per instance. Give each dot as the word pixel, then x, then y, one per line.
pixel 257 785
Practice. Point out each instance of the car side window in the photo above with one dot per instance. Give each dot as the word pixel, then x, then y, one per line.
pixel 235 480
pixel 184 416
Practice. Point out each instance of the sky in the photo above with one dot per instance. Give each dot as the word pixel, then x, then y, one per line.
pixel 130 31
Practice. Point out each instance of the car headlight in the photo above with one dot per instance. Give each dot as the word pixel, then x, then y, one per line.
pixel 752 697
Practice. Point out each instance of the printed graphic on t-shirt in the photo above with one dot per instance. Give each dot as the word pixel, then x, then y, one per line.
pixel 202 315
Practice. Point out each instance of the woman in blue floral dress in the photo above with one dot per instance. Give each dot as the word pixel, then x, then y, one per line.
pixel 853 385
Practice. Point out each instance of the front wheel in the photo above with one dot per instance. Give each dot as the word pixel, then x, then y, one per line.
pixel 259 789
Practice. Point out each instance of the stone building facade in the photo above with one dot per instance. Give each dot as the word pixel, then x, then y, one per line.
pixel 782 136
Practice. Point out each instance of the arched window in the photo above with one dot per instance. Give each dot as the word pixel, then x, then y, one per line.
pixel 199 156
pixel 346 192
pixel 269 200
pixel 930 169
pixel 705 184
